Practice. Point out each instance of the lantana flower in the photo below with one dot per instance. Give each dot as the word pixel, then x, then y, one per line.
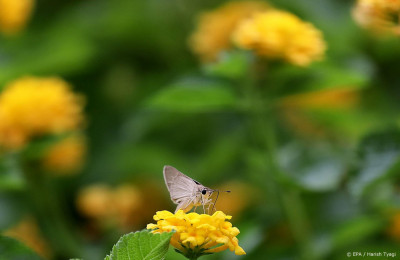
pixel 378 15
pixel 66 156
pixel 214 30
pixel 33 107
pixel 281 35
pixel 14 15
pixel 198 234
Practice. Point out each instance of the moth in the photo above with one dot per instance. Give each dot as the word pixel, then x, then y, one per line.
pixel 187 192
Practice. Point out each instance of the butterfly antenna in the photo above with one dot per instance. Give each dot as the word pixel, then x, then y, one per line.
pixel 215 202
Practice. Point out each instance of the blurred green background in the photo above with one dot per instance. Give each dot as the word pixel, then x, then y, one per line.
pixel 311 155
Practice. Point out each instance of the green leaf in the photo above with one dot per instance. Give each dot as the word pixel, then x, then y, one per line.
pixel 347 235
pixel 379 160
pixel 141 245
pixel 194 96
pixel 13 249
pixel 313 168
pixel 327 75
pixel 11 177
pixel 231 65
pixel 38 147
pixel 356 230
pixel 321 76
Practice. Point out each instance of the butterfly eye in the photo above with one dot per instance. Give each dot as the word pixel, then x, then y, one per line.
pixel 203 192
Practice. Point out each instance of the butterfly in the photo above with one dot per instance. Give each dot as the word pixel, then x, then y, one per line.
pixel 187 192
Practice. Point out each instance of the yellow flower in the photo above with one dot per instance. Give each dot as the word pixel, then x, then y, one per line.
pixel 95 201
pixel 32 107
pixel 394 227
pixel 213 34
pixel 120 206
pixel 198 234
pixel 378 15
pixel 66 156
pixel 281 35
pixel 127 201
pixel 14 14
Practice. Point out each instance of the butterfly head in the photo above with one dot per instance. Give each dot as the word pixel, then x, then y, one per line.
pixel 206 192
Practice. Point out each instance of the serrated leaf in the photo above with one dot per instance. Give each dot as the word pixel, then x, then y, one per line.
pixel 13 249
pixel 194 96
pixel 142 245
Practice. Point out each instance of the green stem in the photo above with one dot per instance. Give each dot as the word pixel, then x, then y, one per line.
pixel 289 197
pixel 48 212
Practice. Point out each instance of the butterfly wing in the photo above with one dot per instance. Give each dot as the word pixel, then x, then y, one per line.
pixel 181 187
pixel 185 205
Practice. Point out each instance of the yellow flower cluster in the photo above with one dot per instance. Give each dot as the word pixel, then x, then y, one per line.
pixel 279 34
pixel 378 15
pixel 215 28
pixel 14 14
pixel 198 234
pixel 66 156
pixel 31 107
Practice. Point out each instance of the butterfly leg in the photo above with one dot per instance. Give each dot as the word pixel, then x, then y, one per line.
pixel 202 203
pixel 185 205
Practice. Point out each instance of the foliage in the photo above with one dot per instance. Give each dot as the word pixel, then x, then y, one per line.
pixel 141 245
pixel 13 249
pixel 313 150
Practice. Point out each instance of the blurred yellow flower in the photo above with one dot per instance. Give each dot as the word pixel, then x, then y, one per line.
pixel 198 234
pixel 378 15
pixel 394 227
pixel 31 107
pixel 215 28
pixel 66 156
pixel 95 201
pixel 119 206
pixel 280 35
pixel 14 15
pixel 27 231
pixel 127 200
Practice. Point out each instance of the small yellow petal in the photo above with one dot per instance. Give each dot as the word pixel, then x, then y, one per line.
pixel 217 249
pixel 206 226
pixel 239 251
pixel 151 226
pixel 163 215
